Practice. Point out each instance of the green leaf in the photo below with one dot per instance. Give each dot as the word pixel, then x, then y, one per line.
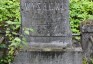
pixel 26 32
pixel 17 39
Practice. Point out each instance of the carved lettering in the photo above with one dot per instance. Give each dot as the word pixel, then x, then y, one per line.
pixel 44 6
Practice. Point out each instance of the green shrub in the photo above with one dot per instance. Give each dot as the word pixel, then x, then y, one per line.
pixel 9 10
pixel 80 10
pixel 10 20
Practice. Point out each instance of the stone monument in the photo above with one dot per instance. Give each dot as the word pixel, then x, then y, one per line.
pixel 50 21
pixel 51 41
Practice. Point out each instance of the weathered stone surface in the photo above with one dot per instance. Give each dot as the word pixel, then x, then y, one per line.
pixel 49 19
pixel 87 28
pixel 87 44
pixel 52 57
pixel 87 39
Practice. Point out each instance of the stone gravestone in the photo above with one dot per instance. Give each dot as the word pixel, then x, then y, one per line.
pixel 87 39
pixel 50 21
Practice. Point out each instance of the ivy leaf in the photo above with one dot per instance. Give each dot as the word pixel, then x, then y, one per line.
pixel 9 22
pixel 26 32
pixel 17 39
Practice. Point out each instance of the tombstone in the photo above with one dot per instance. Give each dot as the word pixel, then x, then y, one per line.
pixel 50 21
pixel 87 39
pixel 51 41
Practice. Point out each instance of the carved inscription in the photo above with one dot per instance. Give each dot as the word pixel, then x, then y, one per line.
pixel 38 6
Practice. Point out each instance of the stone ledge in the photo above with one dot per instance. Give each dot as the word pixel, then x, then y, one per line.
pixel 78 49
pixel 69 56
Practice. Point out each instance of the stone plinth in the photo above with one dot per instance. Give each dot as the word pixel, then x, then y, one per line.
pixel 66 56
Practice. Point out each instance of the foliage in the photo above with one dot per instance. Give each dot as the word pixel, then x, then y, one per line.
pixel 10 25
pixel 80 10
pixel 85 61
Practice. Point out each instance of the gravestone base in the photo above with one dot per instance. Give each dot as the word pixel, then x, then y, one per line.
pixel 66 56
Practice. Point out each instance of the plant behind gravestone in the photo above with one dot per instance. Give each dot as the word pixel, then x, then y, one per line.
pixel 10 20
pixel 80 10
